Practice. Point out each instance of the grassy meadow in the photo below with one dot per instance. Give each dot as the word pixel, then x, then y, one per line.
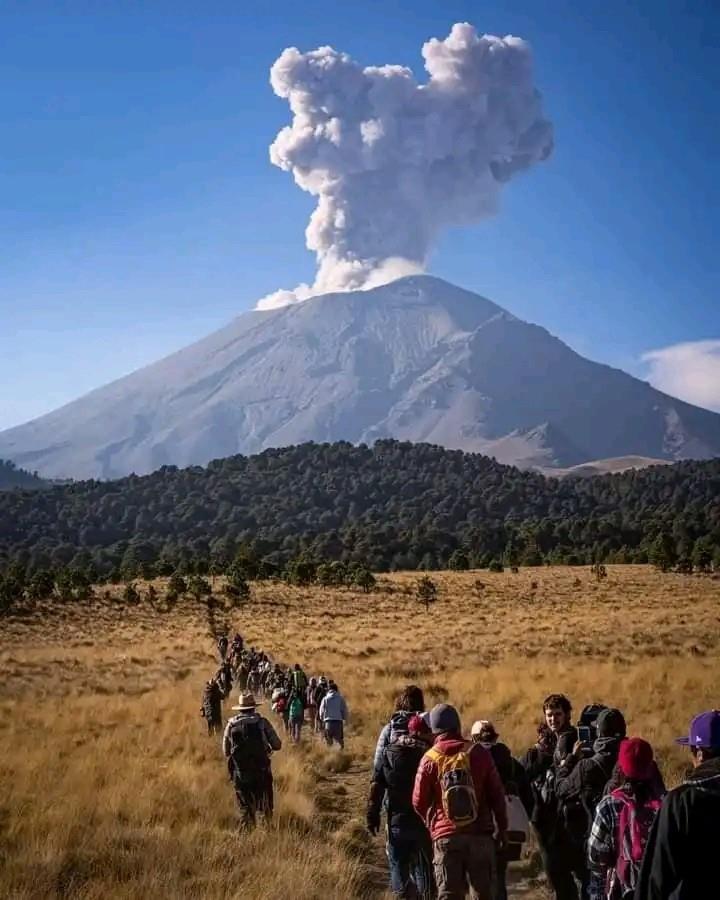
pixel 111 787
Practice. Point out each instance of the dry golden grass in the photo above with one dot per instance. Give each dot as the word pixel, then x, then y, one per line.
pixel 112 789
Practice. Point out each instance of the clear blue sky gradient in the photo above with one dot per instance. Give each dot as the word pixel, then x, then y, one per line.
pixel 140 210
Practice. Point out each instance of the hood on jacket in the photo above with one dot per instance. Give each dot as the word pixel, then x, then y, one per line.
pixel 707 776
pixel 399 723
pixel 406 742
pixel 451 745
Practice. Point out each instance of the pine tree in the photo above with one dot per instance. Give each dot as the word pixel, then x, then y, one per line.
pixel 662 552
pixel 458 561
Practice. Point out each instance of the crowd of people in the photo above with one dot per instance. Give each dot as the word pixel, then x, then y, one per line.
pixel 249 739
pixel 458 810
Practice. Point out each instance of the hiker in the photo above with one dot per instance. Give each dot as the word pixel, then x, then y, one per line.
pixel 296 716
pixel 320 691
pixel 222 646
pixel 561 858
pixel 622 824
pixel 580 782
pixel 457 793
pixel 299 682
pixel 409 850
pixel 410 702
pixel 681 856
pixel 211 708
pixel 518 798
pixel 223 676
pixel 333 714
pixel 248 742
pixel 310 704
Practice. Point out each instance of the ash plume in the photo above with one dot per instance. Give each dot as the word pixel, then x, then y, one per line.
pixel 392 162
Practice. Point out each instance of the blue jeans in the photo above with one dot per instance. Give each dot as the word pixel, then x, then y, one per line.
pixel 410 857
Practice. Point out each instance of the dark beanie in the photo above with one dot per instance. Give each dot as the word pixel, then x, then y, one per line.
pixel 444 717
pixel 611 723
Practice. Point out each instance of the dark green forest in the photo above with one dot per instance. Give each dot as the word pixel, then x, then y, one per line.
pixel 390 506
pixel 13 477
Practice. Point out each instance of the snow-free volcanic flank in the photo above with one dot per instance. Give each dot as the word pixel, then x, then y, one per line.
pixel 392 161
pixel 418 359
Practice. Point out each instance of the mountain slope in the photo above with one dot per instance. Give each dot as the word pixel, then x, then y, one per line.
pixel 418 359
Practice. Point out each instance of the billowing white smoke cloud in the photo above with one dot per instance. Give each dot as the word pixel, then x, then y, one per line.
pixel 391 161
pixel 690 371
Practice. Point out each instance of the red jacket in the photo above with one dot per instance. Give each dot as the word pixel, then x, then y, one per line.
pixel 427 795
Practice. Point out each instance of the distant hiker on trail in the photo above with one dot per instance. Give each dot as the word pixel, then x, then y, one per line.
pixel 409 849
pixel 248 742
pixel 518 798
pixel 299 682
pixel 223 676
pixel 333 715
pixel 562 858
pixel 320 691
pixel 409 703
pixel 296 716
pixel 457 794
pixel 681 857
pixel 310 704
pixel 222 646
pixel 622 824
pixel 211 708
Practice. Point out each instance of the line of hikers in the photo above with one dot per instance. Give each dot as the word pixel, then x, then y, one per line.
pixel 458 811
pixel 249 739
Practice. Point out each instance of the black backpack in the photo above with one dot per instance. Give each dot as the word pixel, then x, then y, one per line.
pixel 249 753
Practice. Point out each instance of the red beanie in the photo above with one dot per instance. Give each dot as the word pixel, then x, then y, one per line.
pixel 417 725
pixel 636 759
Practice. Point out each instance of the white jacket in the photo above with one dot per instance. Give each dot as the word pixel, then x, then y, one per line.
pixel 333 708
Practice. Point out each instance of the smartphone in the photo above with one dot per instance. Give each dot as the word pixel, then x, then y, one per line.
pixel 585 735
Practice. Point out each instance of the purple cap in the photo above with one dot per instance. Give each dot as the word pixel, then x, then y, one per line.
pixel 704 731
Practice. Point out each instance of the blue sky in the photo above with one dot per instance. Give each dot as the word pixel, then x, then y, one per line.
pixel 140 210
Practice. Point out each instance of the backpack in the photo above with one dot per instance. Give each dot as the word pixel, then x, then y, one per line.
pixel 633 829
pixel 296 708
pixel 248 749
pixel 459 798
pixel 300 681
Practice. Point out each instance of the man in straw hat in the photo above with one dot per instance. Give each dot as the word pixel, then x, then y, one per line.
pixel 248 742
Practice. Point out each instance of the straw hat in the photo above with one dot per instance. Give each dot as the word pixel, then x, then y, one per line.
pixel 246 702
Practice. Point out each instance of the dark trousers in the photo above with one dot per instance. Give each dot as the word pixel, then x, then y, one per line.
pixel 500 883
pixel 409 855
pixel 334 732
pixel 254 795
pixel 564 862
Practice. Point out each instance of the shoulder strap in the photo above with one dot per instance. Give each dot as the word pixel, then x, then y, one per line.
pixel 434 754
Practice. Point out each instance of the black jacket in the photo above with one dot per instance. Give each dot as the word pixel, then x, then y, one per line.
pixel 395 780
pixel 681 857
pixel 580 785
pixel 540 767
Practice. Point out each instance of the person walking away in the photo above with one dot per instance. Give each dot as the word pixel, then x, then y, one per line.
pixel 560 859
pixel 409 849
pixel 299 682
pixel 622 824
pixel 310 705
pixel 518 799
pixel 222 646
pixel 681 857
pixel 211 706
pixel 296 713
pixel 248 742
pixel 457 794
pixel 333 715
pixel 320 691
pixel 409 703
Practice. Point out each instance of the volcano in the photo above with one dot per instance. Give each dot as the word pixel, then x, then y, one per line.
pixel 417 359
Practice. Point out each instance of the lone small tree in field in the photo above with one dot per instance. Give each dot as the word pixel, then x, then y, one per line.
pixel 427 591
pixel 131 595
pixel 363 578
pixel 599 571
